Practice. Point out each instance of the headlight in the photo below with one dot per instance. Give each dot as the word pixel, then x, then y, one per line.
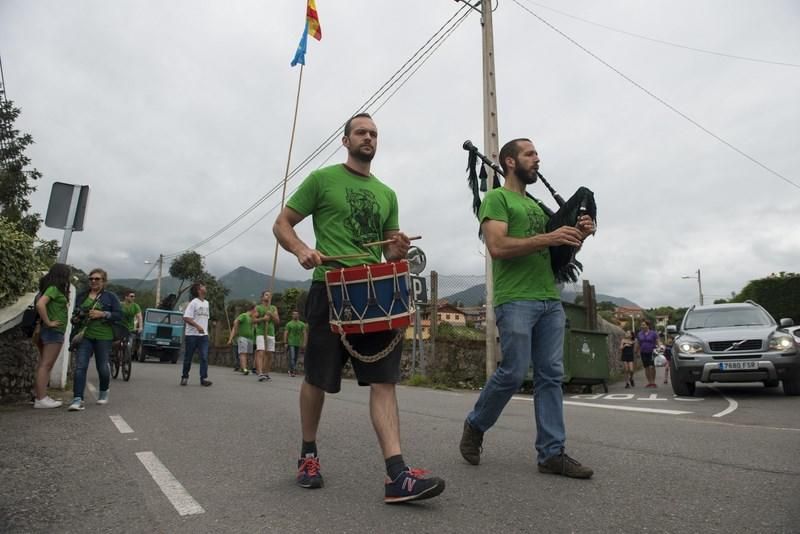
pixel 781 342
pixel 690 346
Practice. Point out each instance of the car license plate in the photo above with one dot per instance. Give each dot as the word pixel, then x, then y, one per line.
pixel 159 342
pixel 736 366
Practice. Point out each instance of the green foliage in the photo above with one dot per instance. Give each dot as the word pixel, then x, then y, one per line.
pixel 15 180
pixel 605 306
pixel 187 268
pixel 417 380
pixel 21 267
pixel 446 330
pixel 779 294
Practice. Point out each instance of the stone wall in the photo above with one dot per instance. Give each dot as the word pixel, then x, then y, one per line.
pixel 18 358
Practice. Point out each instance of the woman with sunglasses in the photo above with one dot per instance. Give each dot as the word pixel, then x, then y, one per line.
pixel 95 310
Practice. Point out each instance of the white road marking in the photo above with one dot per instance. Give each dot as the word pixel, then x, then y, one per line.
pixel 610 407
pixel 174 490
pixel 122 426
pixel 627 408
pixel 732 404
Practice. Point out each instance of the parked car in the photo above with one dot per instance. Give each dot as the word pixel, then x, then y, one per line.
pixel 162 335
pixel 734 343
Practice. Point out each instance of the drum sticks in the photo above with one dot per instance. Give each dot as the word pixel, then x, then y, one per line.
pixel 387 241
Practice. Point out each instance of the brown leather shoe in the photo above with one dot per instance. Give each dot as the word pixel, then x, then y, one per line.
pixel 561 464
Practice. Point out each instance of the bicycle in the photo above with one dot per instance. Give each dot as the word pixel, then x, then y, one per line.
pixel 121 358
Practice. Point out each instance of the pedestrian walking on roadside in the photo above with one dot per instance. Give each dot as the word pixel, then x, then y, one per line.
pixel 243 331
pixel 52 306
pixel 350 206
pixel 295 337
pixel 265 323
pixel 530 317
pixel 668 356
pixel 627 346
pixel 646 343
pixel 195 317
pixel 95 310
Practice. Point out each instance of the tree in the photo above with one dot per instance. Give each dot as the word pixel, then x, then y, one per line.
pixel 187 267
pixel 16 183
pixel 777 293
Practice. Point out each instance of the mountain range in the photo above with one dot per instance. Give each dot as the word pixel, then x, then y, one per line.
pixel 245 283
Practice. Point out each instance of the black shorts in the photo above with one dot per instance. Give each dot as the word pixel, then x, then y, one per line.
pixel 647 359
pixel 326 356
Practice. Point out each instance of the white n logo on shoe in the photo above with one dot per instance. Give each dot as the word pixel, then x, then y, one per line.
pixel 408 484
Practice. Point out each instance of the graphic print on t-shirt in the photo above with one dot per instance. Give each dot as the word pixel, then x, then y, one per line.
pixel 364 221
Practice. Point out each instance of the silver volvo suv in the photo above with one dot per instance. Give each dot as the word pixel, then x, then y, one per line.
pixel 733 343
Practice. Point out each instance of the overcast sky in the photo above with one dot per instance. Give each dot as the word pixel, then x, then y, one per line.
pixel 178 115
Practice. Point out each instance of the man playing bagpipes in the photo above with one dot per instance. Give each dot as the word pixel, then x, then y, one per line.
pixel 530 318
pixel 350 208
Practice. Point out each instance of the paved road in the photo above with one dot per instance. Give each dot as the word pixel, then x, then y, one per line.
pixel 723 461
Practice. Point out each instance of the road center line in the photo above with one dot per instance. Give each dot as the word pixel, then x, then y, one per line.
pixel 169 485
pixel 732 404
pixel 610 407
pixel 122 426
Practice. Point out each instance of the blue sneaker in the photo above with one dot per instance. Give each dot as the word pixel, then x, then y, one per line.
pixel 411 485
pixel 308 475
pixel 102 397
pixel 76 405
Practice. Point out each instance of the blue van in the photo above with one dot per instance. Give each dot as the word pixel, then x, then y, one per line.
pixel 162 335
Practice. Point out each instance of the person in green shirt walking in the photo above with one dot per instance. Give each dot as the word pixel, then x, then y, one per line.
pixel 349 207
pixel 295 337
pixel 530 317
pixel 245 334
pixel 265 322
pixel 132 318
pixel 53 308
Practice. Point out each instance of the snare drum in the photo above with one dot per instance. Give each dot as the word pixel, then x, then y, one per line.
pixel 369 298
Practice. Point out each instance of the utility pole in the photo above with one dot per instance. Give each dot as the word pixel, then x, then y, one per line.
pixel 491 148
pixel 158 281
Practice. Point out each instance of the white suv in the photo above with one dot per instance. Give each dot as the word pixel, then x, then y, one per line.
pixel 734 343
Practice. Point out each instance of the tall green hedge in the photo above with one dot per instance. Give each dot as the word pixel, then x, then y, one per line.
pixel 21 266
pixel 779 294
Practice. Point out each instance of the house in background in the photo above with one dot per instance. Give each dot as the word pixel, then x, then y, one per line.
pixel 447 313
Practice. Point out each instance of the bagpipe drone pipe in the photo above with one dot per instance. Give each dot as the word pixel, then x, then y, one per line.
pixel 562 258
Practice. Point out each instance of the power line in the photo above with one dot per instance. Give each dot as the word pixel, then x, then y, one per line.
pixel 668 43
pixel 660 100
pixel 420 62
pixel 377 95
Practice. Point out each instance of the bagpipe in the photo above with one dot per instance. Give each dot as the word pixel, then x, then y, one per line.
pixel 562 257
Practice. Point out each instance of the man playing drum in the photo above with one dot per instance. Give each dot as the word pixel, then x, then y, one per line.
pixel 350 207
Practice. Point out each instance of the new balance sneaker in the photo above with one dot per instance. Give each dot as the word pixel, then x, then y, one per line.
pixel 471 444
pixel 46 402
pixel 102 397
pixel 561 464
pixel 261 378
pixel 411 485
pixel 308 475
pixel 76 405
pixel 267 377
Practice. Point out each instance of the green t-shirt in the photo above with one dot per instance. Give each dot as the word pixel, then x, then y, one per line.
pixel 97 328
pixel 246 326
pixel 262 311
pixel 294 331
pixel 129 315
pixel 347 210
pixel 56 307
pixel 527 277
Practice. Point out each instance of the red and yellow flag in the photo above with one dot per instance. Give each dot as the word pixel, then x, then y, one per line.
pixel 312 18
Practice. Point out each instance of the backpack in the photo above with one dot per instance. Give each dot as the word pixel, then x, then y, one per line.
pixel 30 319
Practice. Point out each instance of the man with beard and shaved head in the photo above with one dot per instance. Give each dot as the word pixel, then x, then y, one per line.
pixel 528 309
pixel 349 207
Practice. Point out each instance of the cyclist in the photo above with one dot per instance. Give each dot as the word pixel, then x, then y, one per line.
pixel 132 318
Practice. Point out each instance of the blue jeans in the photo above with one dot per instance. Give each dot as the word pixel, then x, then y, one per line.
pixel 293 351
pixel 531 332
pixel 101 349
pixel 199 344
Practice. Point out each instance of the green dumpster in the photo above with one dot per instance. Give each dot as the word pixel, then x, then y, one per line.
pixel 586 358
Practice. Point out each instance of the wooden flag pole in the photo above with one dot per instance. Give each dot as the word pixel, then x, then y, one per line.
pixel 286 174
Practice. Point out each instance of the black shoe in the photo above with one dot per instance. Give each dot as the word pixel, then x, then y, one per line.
pixel 561 464
pixel 471 444
pixel 308 475
pixel 411 485
pixel 206 383
pixel 184 381
pixel 632 384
